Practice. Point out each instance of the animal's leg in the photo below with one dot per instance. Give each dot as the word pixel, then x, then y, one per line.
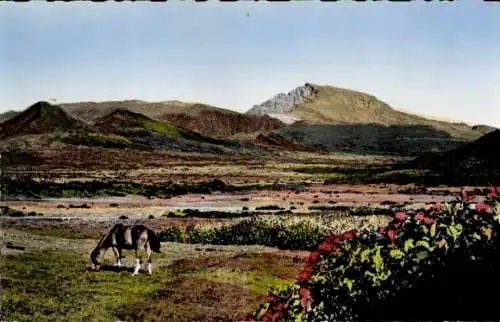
pixel 118 254
pixel 137 263
pixel 148 254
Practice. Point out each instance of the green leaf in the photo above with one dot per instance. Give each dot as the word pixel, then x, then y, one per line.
pixel 408 245
pixel 425 244
pixel 420 256
pixel 396 253
pixel 348 283
pixel 299 317
pixel 378 261
pixel 424 229
pixel 365 255
pixel 433 230
pixel 452 231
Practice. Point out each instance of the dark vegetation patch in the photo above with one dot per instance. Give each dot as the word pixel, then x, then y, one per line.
pixel 27 187
pixel 82 206
pixel 10 212
pixel 269 207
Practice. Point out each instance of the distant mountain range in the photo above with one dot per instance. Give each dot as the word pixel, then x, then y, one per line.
pixel 308 118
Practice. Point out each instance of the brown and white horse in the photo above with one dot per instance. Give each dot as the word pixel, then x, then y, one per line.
pixel 134 237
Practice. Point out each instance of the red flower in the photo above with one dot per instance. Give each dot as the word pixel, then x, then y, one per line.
pixel 492 192
pixel 325 247
pixel 498 190
pixel 266 318
pixel 334 240
pixel 348 235
pixel 420 217
pixel 277 315
pixel 401 216
pixel 428 221
pixel 382 230
pixel 391 234
pixel 270 299
pixel 313 257
pixel 305 274
pixel 482 207
pixel 305 298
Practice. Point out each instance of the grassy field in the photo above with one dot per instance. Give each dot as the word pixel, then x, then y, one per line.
pixel 49 285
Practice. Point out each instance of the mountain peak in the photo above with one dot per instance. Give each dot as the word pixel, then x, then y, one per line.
pixel 41 117
pixel 283 103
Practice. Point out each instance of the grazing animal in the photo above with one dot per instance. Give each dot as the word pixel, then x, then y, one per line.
pixel 133 237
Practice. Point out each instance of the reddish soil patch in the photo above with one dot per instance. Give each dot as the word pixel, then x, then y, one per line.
pixel 274 263
pixel 193 299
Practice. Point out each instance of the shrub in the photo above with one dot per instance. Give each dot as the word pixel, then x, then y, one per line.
pixel 436 263
pixel 284 232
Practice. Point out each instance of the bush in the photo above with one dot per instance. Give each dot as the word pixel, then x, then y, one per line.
pixel 438 263
pixel 252 231
pixel 285 232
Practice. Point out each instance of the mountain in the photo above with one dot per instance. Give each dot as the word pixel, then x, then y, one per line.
pixel 204 119
pixel 40 118
pixel 341 119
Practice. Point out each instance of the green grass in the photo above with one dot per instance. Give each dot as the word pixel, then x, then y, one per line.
pixel 55 286
pixel 177 132
pixel 255 281
pixel 162 128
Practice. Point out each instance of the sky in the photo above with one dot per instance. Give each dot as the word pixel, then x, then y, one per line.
pixel 437 58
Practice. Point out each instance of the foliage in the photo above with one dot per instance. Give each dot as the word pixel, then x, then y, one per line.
pixel 285 232
pixel 436 263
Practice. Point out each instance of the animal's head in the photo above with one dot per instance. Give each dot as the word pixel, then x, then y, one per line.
pixel 94 259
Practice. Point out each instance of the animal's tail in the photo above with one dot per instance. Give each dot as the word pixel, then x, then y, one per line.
pixel 154 242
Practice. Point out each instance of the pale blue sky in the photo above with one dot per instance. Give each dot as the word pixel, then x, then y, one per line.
pixel 440 59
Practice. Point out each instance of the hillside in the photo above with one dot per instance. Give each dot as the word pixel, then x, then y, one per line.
pixel 217 124
pixel 40 118
pixel 204 119
pixel 479 159
pixel 124 122
pixel 397 140
pixel 122 128
pixel 319 104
